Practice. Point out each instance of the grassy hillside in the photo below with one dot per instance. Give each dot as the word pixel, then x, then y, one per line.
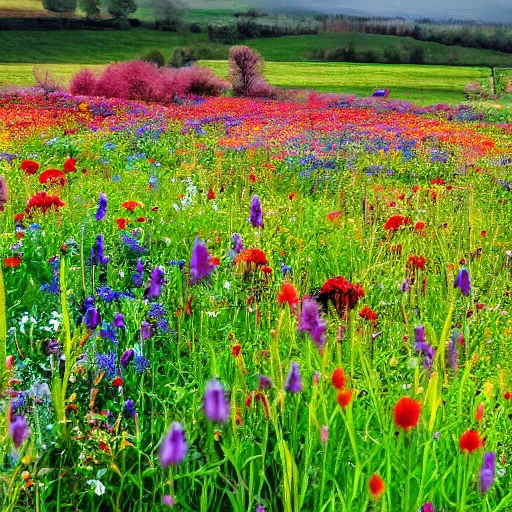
pixel 99 47
pixel 421 84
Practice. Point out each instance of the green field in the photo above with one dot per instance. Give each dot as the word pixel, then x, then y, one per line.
pixel 100 47
pixel 420 84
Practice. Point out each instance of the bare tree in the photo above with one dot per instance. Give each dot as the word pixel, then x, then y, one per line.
pixel 45 80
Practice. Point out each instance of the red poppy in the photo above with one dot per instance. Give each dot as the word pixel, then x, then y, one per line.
pixel 236 350
pixel 333 216
pixel 407 413
pixel 291 196
pixel 437 181
pixel 44 201
pixel 252 177
pixel 483 233
pixel 396 221
pixel 415 189
pixel 130 205
pixel 12 262
pixel 266 270
pixel 368 314
pixel 211 194
pixel 117 382
pixel 416 262
pixel 121 223
pixel 69 165
pixel 470 441
pixel 141 219
pixel 256 256
pixel 29 167
pixel 215 261
pixel 338 378
pixel 377 486
pixel 507 395
pixel 420 226
pixel 288 294
pixel 52 176
pixel 344 398
pixel 19 217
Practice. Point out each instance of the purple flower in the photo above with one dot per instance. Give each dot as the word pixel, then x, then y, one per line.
pixel 102 207
pixel 237 244
pixel 293 381
pixel 174 447
pixel 145 330
pixel 126 357
pixel 256 218
pixel 156 283
pixel 92 319
pixel 53 347
pixel 324 434
pixel 419 334
pixel 260 508
pixel 452 351
pixel 19 430
pixel 138 277
pixel 216 406
pixel 168 501
pixel 487 472
pixel 264 382
pixel 428 353
pixel 311 322
pixel 98 252
pixel 200 262
pixel 463 281
pixel 129 409
pixel 119 321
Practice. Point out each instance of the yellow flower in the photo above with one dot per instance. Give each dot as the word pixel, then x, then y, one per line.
pixel 83 107
pixel 488 389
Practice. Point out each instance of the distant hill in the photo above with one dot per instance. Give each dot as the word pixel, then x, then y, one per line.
pixel 494 11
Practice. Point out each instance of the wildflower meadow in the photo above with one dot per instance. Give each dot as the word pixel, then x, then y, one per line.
pixel 231 304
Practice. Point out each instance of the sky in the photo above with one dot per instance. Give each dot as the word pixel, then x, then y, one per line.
pixel 480 10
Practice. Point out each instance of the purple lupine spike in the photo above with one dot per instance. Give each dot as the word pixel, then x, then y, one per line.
pixel 102 207
pixel 126 357
pixel 216 406
pixel 452 351
pixel 487 472
pixel 237 244
pixel 428 353
pixel 463 282
pixel 256 218
pixel 174 447
pixel 419 334
pixel 19 430
pixel 200 262
pixel 293 381
pixel 156 282
pixel 98 251
pixel 311 322
pixel 129 409
pixel 92 319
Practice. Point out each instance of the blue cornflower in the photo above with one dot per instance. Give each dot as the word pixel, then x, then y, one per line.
pixel 141 363
pixel 108 363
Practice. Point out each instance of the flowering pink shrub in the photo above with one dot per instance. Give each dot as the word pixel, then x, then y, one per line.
pixel 83 83
pixel 261 89
pixel 143 81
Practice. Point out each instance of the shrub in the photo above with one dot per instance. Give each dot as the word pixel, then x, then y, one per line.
pixel 121 8
pixel 182 56
pixel 45 79
pixel 155 57
pixel 225 34
pixel 83 83
pixel 262 89
pixel 60 5
pixel 417 55
pixel 203 82
pixel 169 14
pixel 175 83
pixel 244 69
pixel 195 28
pixel 90 7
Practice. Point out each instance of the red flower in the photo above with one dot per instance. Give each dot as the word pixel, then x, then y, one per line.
pixel 407 413
pixel 130 205
pixel 12 262
pixel 236 350
pixel 415 189
pixel 396 222
pixel 507 395
pixel 19 217
pixel 121 223
pixel 368 314
pixel 52 176
pixel 141 219
pixel 9 361
pixel 470 441
pixel 69 165
pixel 416 262
pixel 256 256
pixel 44 201
pixel 480 412
pixel 483 233
pixel 342 293
pixel 252 177
pixel 288 294
pixel 215 261
pixel 211 194
pixel 377 486
pixel 29 166
pixel 117 382
pixel 291 196
pixel 266 270
pixel 333 216
pixel 437 181
pixel 420 226
pixel 338 378
pixel 344 398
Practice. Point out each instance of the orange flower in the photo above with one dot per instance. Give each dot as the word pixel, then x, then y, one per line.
pixel 344 398
pixel 368 314
pixel 121 223
pixel 288 294
pixel 480 412
pixel 377 486
pixel 236 350
pixel 407 413
pixel 130 205
pixel 338 378
pixel 256 256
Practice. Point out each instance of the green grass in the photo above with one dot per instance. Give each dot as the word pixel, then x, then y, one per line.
pixel 420 84
pixel 100 47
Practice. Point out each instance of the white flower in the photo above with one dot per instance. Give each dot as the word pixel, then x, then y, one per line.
pixel 99 488
pixel 227 285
